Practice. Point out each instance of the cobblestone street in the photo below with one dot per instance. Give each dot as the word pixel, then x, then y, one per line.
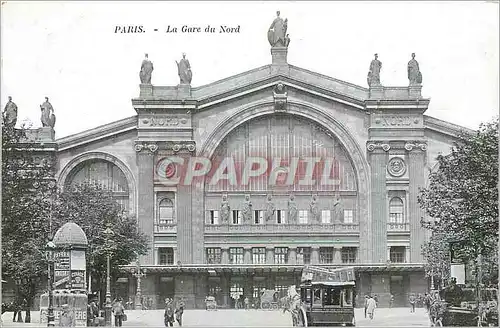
pixel 384 317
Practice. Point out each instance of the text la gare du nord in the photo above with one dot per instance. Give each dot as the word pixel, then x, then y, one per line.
pixel 176 29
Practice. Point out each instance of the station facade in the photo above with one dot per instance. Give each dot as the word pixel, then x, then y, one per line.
pixel 331 170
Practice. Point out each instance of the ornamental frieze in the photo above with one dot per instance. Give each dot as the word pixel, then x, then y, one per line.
pixel 153 147
pixel 409 146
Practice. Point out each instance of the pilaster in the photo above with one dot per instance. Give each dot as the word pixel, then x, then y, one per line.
pixel 337 259
pixel 269 255
pixel 247 255
pixel 292 256
pixel 145 215
pixel 417 180
pixel 314 255
pixel 225 255
pixel 378 162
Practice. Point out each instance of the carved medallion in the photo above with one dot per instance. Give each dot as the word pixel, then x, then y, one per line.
pixel 396 167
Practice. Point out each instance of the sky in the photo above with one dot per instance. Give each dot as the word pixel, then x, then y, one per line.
pixel 69 51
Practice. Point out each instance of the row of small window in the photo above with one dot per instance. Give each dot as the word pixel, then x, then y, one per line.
pixel 279 217
pixel 281 255
pixel 397 254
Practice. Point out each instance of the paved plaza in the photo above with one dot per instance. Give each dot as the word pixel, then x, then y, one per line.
pixel 384 317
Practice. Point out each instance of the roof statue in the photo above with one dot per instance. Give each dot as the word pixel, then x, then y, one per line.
pixel 414 74
pixel 146 71
pixel 184 70
pixel 277 32
pixel 374 72
pixel 10 114
pixel 48 118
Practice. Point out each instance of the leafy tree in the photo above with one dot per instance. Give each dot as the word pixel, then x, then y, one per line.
pixel 94 209
pixel 27 186
pixel 462 200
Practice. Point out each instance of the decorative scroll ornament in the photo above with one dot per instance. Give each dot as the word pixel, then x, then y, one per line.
pixel 191 147
pixel 396 167
pixel 280 97
pixel 410 146
pixel 153 147
pixel 176 147
pixel 373 146
pixel 138 147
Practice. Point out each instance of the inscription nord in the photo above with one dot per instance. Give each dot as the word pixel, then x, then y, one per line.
pixel 395 121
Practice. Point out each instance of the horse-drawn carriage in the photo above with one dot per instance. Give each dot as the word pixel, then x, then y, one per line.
pixel 269 300
pixel 210 303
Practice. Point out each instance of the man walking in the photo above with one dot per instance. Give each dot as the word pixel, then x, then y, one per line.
pixel 179 311
pixel 371 307
pixel 168 316
pixel 412 301
pixel 366 303
pixel 119 311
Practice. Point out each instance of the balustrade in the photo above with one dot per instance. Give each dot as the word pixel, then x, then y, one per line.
pixel 393 226
pixel 337 227
pixel 166 228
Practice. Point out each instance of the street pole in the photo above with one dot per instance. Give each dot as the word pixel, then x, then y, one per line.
pixel 107 311
pixel 50 310
pixel 138 293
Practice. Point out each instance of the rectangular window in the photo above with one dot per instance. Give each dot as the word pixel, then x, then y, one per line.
pixel 213 217
pixel 326 255
pixel 280 217
pixel 258 288
pixel 236 255
pixel 303 217
pixel 348 216
pixel 213 255
pixel 165 256
pixel 280 255
pixel 304 255
pixel 348 254
pixel 397 254
pixel 236 219
pixel 326 217
pixel 258 255
pixel 258 217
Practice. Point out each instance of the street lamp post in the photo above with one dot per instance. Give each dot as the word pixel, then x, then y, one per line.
pixel 107 311
pixel 138 296
pixel 50 247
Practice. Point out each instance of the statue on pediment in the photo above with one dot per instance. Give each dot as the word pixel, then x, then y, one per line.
pixel 338 209
pixel 184 70
pixel 374 72
pixel 414 74
pixel 48 117
pixel 225 209
pixel 246 212
pixel 146 71
pixel 276 35
pixel 292 210
pixel 270 208
pixel 314 209
pixel 10 114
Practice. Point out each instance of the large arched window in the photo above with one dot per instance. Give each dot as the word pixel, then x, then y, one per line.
pixel 396 210
pixel 166 213
pixel 104 174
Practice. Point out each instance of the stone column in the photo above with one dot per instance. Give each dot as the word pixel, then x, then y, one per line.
pixel 378 163
pixel 247 255
pixel 225 256
pixel 198 224
pixel 145 189
pixel 416 168
pixel 185 226
pixel 315 255
pixel 337 255
pixel 269 255
pixel 225 290
pixel 407 254
pixel 292 256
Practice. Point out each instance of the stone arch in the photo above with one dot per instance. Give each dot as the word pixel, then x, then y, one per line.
pixel 336 128
pixel 68 168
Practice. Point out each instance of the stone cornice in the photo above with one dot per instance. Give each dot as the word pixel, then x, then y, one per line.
pixel 152 147
pixel 446 128
pixel 98 133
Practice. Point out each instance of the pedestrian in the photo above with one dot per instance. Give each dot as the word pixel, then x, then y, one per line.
pixel 67 317
pixel 119 312
pixel 168 316
pixel 92 314
pixel 391 301
pixel 372 305
pixel 247 303
pixel 427 302
pixel 366 303
pixel 179 311
pixel 412 301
